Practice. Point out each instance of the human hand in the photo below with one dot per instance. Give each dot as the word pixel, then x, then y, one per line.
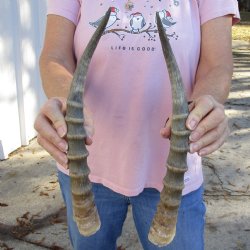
pixel 52 129
pixel 208 124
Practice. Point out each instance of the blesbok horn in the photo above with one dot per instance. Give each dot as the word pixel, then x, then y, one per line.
pixel 163 226
pixel 84 210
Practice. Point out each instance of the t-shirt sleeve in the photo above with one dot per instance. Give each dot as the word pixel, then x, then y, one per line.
pixel 66 8
pixel 210 9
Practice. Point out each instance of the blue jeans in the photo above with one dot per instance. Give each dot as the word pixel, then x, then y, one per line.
pixel 113 207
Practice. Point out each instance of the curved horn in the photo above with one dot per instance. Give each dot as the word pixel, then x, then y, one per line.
pixel 163 227
pixel 84 210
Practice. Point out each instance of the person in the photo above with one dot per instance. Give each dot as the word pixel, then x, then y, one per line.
pixel 128 99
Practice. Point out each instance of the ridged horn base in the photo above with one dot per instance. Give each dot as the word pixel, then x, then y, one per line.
pixel 89 225
pixel 163 227
pixel 159 237
pixel 85 213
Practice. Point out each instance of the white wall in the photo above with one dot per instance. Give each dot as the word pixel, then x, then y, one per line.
pixel 21 36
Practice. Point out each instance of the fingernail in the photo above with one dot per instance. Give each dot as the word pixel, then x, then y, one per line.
pixel 63 146
pixel 202 153
pixel 61 131
pixel 194 136
pixel 163 133
pixel 88 141
pixel 192 124
pixel 193 147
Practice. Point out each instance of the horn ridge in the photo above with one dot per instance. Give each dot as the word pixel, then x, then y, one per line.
pixel 85 213
pixel 163 227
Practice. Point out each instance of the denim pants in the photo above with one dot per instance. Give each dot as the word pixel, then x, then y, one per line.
pixel 113 207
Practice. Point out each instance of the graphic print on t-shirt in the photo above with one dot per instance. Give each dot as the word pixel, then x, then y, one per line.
pixel 137 22
pixel 130 20
pixel 112 19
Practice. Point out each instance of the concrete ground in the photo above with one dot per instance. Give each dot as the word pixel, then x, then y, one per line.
pixel 32 214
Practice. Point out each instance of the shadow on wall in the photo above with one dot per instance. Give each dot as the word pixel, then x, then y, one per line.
pixel 240 83
pixel 241 61
pixel 21 35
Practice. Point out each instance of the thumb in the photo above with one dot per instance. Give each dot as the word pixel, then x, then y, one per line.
pixel 166 131
pixel 54 111
pixel 88 141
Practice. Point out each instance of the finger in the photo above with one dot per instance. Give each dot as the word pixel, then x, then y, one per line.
pixel 88 141
pixel 202 107
pixel 54 111
pixel 214 146
pixel 166 131
pixel 57 154
pixel 45 130
pixel 209 138
pixel 211 121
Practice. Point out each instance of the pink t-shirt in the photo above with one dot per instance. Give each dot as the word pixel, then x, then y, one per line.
pixel 128 89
